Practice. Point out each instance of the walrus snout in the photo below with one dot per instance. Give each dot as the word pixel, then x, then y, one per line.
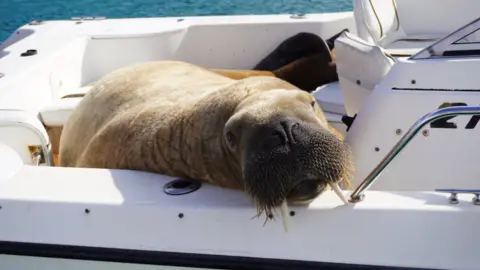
pixel 293 160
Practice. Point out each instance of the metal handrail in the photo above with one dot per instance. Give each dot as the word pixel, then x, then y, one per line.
pixel 439 47
pixel 358 195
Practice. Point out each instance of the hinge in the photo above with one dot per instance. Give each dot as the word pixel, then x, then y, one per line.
pixel 36 154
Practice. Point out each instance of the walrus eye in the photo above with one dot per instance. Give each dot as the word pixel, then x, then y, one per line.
pixel 230 138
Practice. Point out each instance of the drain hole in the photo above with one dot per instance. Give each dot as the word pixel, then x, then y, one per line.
pixel 181 186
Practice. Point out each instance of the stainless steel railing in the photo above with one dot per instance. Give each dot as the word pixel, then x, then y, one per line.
pixel 358 195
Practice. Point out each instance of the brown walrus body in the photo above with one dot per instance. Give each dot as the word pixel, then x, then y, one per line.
pixel 259 134
pixel 306 73
pixel 304 60
pixel 309 72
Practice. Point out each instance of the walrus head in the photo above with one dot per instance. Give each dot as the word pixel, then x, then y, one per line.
pixel 285 149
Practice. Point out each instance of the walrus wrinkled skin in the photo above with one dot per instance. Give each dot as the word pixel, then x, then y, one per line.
pixel 261 134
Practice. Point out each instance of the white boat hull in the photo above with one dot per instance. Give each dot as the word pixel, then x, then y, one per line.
pixel 120 209
pixel 76 218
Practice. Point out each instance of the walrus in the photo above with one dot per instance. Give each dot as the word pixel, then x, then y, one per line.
pixel 261 135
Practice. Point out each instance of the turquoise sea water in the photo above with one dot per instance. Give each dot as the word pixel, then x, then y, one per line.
pixel 15 13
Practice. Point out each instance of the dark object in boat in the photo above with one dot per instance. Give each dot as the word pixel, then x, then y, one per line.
pixel 295 47
pixel 304 60
pixel 348 120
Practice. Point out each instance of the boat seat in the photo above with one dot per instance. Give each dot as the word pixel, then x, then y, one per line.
pixel 77 92
pixel 329 98
pixel 404 27
pixel 407 48
pixel 54 116
pixel 57 113
pixel 345 97
pixel 361 65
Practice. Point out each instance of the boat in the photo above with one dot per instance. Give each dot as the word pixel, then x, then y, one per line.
pixel 407 101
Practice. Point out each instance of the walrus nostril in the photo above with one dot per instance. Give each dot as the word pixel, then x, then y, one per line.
pixel 290 127
pixel 278 134
pixel 293 130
